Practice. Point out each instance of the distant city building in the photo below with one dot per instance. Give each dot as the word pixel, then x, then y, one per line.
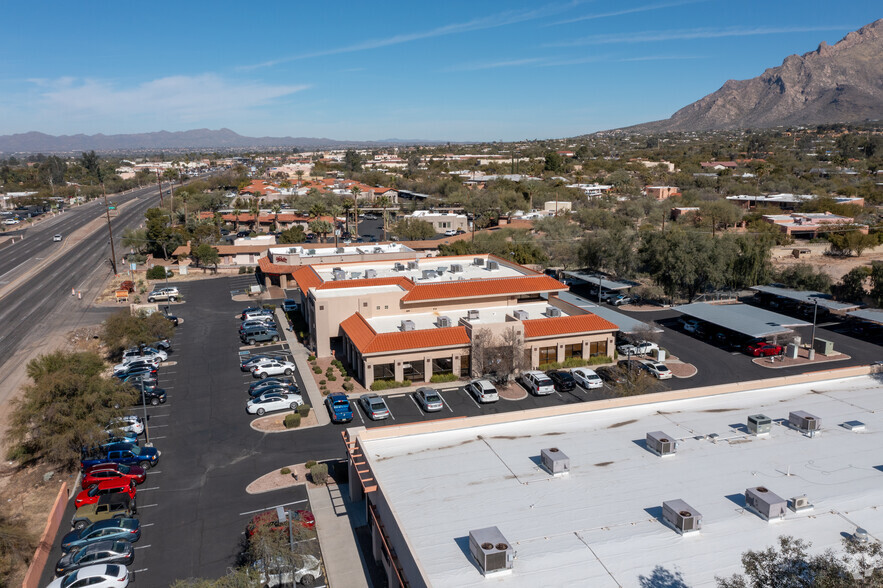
pixel 442 221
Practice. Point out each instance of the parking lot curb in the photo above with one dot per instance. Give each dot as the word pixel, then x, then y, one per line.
pixel 762 362
pixel 299 356
pixel 300 428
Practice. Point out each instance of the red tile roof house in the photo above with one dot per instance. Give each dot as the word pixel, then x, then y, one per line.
pixel 411 320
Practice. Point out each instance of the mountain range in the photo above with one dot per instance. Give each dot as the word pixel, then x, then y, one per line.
pixel 834 84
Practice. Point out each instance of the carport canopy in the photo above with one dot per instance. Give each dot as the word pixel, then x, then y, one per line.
pixel 805 296
pixel 605 283
pixel 868 314
pixel 626 324
pixel 742 318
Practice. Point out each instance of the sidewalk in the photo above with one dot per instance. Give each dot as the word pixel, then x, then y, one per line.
pixel 336 521
pixel 299 355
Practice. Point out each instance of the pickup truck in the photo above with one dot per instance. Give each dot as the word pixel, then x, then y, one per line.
pixel 124 453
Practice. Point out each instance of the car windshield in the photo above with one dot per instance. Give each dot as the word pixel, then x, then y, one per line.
pixel 128 523
pixel 376 403
pixel 135 450
pixel 124 469
pixel 70 579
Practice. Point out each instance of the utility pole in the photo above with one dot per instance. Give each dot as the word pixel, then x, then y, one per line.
pixel 113 255
pixel 159 181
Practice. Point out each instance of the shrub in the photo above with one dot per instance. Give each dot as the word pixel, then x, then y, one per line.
pixel 270 307
pixel 319 473
pixel 285 471
pixel 311 357
pixel 347 378
pixel 348 386
pixel 338 364
pixel 438 378
pixel 330 370
pixel 157 272
pixel 575 362
pixel 309 465
pixel 332 378
pixel 317 369
pixel 303 410
pixel 322 382
pixel 243 270
pixel 599 359
pixel 388 384
pixel 291 421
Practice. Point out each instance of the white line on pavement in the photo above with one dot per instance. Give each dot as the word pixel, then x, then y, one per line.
pixel 395 395
pixel 147 506
pixel 157 426
pixel 163 437
pixel 145 489
pixel 417 404
pixel 271 507
pixel 153 472
pixel 142 546
pixel 472 398
pixel 448 406
pixel 147 525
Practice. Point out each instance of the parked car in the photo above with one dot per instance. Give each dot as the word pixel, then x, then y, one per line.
pixel 339 408
pixel 110 529
pixel 483 391
pixel 289 305
pixel 611 375
pixel 113 471
pixel 277 381
pixel 621 300
pixel 135 364
pixel 249 361
pixel 563 381
pixel 109 506
pixel 122 437
pixel 450 233
pixel 429 400
pixel 137 380
pixel 273 367
pixel 658 370
pixel 148 370
pixel 274 389
pixel 272 401
pixel 171 294
pixel 763 349
pixel 587 378
pixel 537 383
pixel 162 345
pixel 171 318
pixel 113 486
pixel 253 313
pixel 374 406
pixel 257 323
pixel 127 424
pixel 638 348
pixel 151 395
pixel 94 576
pixel 281 572
pixel 269 520
pixel 124 453
pixel 253 335
pixel 101 552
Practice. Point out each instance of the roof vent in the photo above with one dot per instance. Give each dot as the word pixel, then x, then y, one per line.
pixel 479 261
pixel 520 315
pixel 661 444
pixel 800 503
pixel 491 550
pixel 860 535
pixel 555 462
pixel 472 315
pixel 412 265
pixel 759 424
pixel 441 269
pixel 339 274
pixel 680 515
pixel 429 274
pixel 370 273
pixel 311 252
pixel 552 311
pixel 444 321
pixel 378 250
pixel 398 267
pixel 804 422
pixel 456 268
pixel 407 325
pixel 339 250
pixel 493 266
pixel 765 503
pixel 854 426
pixel 355 275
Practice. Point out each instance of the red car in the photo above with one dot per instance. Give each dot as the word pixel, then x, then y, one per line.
pixel 93 492
pixel 764 349
pixel 113 471
pixel 271 521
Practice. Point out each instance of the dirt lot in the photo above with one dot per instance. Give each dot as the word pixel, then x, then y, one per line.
pixel 836 267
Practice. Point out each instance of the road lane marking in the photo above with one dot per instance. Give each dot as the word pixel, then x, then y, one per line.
pixel 272 507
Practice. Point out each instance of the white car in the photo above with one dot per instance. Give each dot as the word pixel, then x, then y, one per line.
pixel 135 354
pixel 11 221
pixel 587 378
pixel 57 237
pixel 171 294
pixel 450 233
pixel 135 362
pixel 537 383
pixel 280 573
pixel 273 367
pixel 483 391
pixel 127 424
pixel 99 576
pixel 660 370
pixel 273 401
pixel 638 348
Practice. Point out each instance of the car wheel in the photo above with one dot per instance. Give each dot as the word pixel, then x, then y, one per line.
pixel 262 375
pixel 145 465
pixel 154 402
pixel 79 525
pixel 307 580
pixel 287 371
pixel 251 341
pixel 293 406
pixel 151 300
pixel 275 338
pixel 172 298
pixel 261 412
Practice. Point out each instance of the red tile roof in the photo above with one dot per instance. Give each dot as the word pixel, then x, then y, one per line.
pixel 483 287
pixel 565 325
pixel 367 340
pixel 304 276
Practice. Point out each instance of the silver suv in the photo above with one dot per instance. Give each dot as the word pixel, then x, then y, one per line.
pixel 170 294
pixel 252 335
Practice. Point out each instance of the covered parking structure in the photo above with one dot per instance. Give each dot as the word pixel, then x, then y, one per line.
pixel 605 284
pixel 871 315
pixel 805 297
pixel 744 319
pixel 626 324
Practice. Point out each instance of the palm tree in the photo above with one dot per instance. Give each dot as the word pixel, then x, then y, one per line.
pixel 236 213
pixel 347 208
pixel 300 176
pixel 317 210
pixel 383 202
pixel 255 209
pixel 276 208
pixel 355 191
pixel 335 212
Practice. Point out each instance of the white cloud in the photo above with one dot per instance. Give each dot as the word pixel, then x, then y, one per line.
pixel 624 11
pixel 689 34
pixel 495 64
pixel 173 98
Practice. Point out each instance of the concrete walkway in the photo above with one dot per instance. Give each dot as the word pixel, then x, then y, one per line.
pixel 336 519
pixel 299 354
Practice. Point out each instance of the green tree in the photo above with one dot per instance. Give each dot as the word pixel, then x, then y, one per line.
pixel 352 161
pixel 122 330
pixel 92 164
pixel 293 235
pixel 803 276
pixel 67 406
pixel 852 285
pixel 554 162
pixel 850 240
pixel 136 240
pixel 412 229
pixel 205 255
pixel 321 227
pixel 877 283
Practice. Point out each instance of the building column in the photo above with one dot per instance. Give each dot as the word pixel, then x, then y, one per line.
pixel 455 365
pixel 367 373
pixel 534 357
pixel 427 369
pixel 399 371
pixel 586 347
pixel 559 353
pixel 283 280
pixel 267 281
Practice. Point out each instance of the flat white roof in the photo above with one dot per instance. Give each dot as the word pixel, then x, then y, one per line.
pixel 386 269
pixel 742 318
pixel 486 315
pixel 308 251
pixel 601 524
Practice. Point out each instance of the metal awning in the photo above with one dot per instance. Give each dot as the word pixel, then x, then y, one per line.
pixel 626 324
pixel 868 314
pixel 605 283
pixel 742 318
pixel 806 297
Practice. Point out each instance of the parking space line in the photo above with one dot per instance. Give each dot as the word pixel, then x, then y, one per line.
pixel 148 506
pixel 389 410
pixel 272 507
pixel 417 404
pixel 448 406
pixel 153 472
pixel 147 525
pixel 157 426
pixel 475 402
pixel 163 437
pixel 157 416
pixel 143 546
pixel 146 489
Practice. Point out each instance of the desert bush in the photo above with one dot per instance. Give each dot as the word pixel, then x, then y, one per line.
pixel 439 378
pixel 319 473
pixel 388 384
pixel 285 471
pixel 309 465
pixel 303 410
pixel 291 421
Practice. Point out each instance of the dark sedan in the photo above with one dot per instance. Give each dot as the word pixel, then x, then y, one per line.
pixel 563 381
pixel 102 552
pixel 611 375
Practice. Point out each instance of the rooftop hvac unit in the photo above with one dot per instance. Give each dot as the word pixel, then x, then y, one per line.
pixel 339 250
pixel 493 266
pixel 378 250
pixel 472 315
pixel 553 311
pixel 800 503
pixel 444 321
pixel 520 315
pixel 398 267
pixel 456 268
pixel 759 424
pixel 491 550
pixel 765 503
pixel 407 325
pixel 355 275
pixel 412 265
pixel 429 274
pixel 804 422
pixel 441 269
pixel 370 273
pixel 478 261
pixel 339 275
pixel 311 252
pixel 554 460
pixel 661 444
pixel 680 515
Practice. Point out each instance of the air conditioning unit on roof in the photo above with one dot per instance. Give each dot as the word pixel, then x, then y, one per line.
pixel 759 424
pixel 661 444
pixel 444 322
pixel 680 515
pixel 456 268
pixel 429 274
pixel 370 273
pixel 553 311
pixel 521 315
pixel 804 422
pixel 493 265
pixel 339 250
pixel 408 325
pixel 491 550
pixel 398 267
pixel 479 261
pixel 554 460
pixel 472 315
pixel 412 265
pixel 765 503
pixel 355 275
pixel 338 275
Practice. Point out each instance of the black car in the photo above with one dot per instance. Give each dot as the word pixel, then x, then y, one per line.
pixel 146 370
pixel 629 365
pixel 149 382
pixel 563 381
pixel 152 396
pixel 611 375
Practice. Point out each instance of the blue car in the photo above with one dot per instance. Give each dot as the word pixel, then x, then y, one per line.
pixel 109 529
pixel 289 305
pixel 339 407
pixel 124 453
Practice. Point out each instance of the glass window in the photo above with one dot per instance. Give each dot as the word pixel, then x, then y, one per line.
pixel 413 370
pixel 548 355
pixel 465 366
pixel 384 371
pixel 442 365
pixel 573 350
pixel 597 348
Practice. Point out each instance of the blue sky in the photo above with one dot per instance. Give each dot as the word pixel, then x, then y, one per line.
pixel 450 70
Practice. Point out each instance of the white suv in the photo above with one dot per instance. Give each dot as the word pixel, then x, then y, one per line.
pixel 483 391
pixel 273 367
pixel 537 383
pixel 170 294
